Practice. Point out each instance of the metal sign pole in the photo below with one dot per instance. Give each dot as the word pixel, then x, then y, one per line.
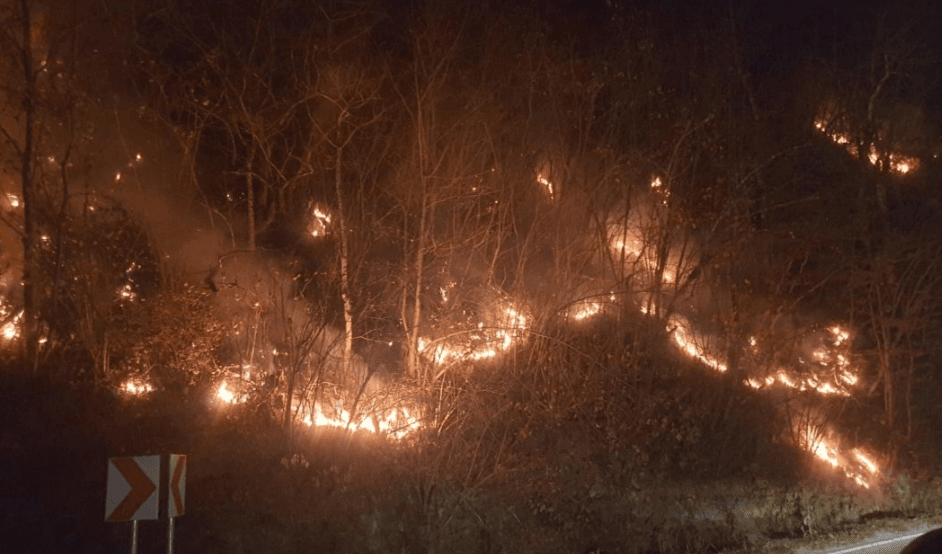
pixel 134 537
pixel 170 536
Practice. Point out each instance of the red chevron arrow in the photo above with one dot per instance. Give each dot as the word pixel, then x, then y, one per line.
pixel 141 489
pixel 177 482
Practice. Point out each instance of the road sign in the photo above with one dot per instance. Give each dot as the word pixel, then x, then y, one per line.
pixel 177 485
pixel 133 488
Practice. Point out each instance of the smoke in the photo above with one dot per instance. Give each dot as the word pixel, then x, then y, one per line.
pixel 143 169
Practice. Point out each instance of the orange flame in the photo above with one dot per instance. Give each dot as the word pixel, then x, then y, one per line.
pixel 898 163
pixel 11 329
pixel 136 387
pixel 229 397
pixel 320 222
pixel 397 423
pixel 481 343
pixel 692 345
pixel 547 185
pixel 858 467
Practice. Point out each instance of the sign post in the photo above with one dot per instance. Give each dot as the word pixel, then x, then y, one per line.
pixel 133 490
pixel 176 494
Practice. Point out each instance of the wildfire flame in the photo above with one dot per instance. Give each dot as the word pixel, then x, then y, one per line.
pixel 630 245
pixel 694 346
pixel 831 372
pixel 547 185
pixel 859 467
pixel 320 222
pixel 126 292
pixel 584 310
pixel 136 387
pixel 480 343
pixel 397 423
pixel 898 163
pixel 229 397
pixel 10 329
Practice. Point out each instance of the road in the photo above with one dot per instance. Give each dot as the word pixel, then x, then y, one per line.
pixel 882 543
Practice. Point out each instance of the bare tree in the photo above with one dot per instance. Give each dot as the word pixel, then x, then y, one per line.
pixel 897 295
pixel 22 40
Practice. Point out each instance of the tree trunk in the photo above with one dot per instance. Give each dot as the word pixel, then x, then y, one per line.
pixel 889 392
pixel 414 364
pixel 345 294
pixel 29 322
pixel 250 195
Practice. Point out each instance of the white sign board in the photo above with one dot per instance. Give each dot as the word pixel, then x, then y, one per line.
pixel 133 488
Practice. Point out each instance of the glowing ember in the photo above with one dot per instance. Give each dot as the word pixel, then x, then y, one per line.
pixel 445 291
pixel 127 293
pixel 14 200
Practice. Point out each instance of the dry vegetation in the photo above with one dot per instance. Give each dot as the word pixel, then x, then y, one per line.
pixel 568 449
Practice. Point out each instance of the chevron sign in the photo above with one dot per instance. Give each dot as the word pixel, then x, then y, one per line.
pixel 133 488
pixel 177 485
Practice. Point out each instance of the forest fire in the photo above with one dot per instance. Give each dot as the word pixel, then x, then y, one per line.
pixel 634 247
pixel 589 307
pixel 897 163
pixel 319 223
pixel 858 467
pixel 228 396
pixel 136 386
pixel 486 341
pixel 827 371
pixel 11 326
pixel 691 344
pixel 547 185
pixel 126 292
pixel 396 423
